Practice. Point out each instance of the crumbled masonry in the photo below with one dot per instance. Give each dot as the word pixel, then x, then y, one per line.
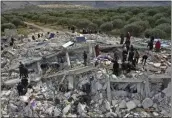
pixel 141 93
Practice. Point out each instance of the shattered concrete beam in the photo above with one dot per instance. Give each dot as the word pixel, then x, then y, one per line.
pixel 128 80
pixel 159 76
pixel 73 71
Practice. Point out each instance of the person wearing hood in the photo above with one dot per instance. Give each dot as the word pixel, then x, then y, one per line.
pixel 158 46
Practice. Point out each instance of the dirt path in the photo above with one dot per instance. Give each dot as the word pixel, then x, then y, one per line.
pixel 44 29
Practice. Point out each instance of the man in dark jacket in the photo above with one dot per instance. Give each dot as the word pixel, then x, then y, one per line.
pixel 20 89
pixel 150 43
pixel 131 55
pixel 85 58
pixel 116 67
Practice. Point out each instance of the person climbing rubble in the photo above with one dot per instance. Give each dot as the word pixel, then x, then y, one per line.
pixel 20 88
pixel 116 56
pixel 144 59
pixel 85 58
pixel 97 50
pixel 39 36
pixel 124 54
pixel 23 70
pixel 158 46
pixel 122 39
pixel 12 41
pixel 62 63
pixel 150 43
pixel 33 37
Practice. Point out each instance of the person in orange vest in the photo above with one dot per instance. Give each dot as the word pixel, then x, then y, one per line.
pixel 158 46
pixel 97 50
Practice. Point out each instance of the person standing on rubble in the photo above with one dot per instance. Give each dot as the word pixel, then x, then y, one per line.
pixel 116 56
pixel 158 46
pixel 38 35
pixel 136 56
pixel 127 42
pixel 97 50
pixel 124 54
pixel 12 41
pixel 33 37
pixel 85 58
pixel 115 67
pixel 21 66
pixel 150 43
pixel 20 89
pixel 122 39
pixel 131 55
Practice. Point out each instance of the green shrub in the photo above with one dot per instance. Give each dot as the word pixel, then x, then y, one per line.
pixel 157 33
pixel 98 22
pixel 166 27
pixel 116 32
pixel 162 20
pixel 17 22
pixel 118 23
pixel 134 29
pixel 151 12
pixel 158 16
pixel 7 26
pixel 118 17
pixel 133 19
pixel 106 27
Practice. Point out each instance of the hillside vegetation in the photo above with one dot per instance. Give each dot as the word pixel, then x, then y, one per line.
pixel 140 21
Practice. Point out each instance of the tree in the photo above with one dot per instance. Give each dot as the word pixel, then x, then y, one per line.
pixel 17 22
pixel 108 26
pixel 92 26
pixel 118 23
pixel 151 12
pixel 157 33
pixel 83 23
pixel 162 20
pixel 98 22
pixel 7 26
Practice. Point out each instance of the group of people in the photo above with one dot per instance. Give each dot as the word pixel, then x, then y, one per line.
pixel 151 44
pixel 39 35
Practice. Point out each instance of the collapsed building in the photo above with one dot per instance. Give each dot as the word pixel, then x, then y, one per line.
pixel 141 93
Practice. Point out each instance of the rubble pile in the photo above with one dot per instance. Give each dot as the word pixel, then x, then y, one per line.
pixel 108 96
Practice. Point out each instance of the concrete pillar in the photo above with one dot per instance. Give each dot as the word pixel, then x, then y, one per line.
pixel 108 89
pixel 39 68
pixel 67 58
pixel 70 82
pixel 147 88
